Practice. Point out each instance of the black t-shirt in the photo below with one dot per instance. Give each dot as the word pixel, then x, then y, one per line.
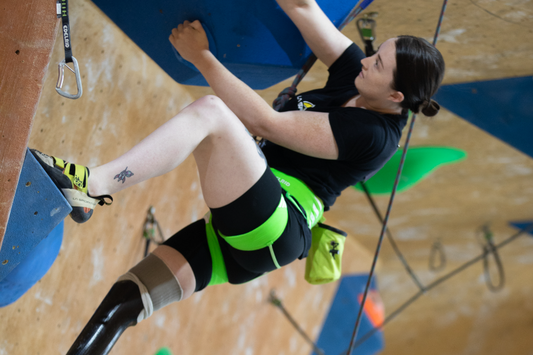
pixel 366 139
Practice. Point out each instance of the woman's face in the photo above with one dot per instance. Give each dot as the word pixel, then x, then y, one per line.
pixel 374 81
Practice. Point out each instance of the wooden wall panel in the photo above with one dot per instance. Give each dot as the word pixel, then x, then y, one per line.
pixel 127 95
pixel 27 33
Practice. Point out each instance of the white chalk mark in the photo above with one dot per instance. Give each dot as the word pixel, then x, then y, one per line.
pixel 98 264
pixel 46 300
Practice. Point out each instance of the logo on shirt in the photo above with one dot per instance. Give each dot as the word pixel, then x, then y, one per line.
pixel 304 105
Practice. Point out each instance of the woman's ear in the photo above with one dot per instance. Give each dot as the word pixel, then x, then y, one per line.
pixel 396 96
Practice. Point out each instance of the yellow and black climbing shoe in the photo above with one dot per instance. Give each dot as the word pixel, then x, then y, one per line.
pixel 72 180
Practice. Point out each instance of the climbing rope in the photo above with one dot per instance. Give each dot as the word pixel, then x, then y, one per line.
pixel 287 93
pixel 381 236
pixel 277 302
pixel 391 239
pixel 389 207
pixel 390 317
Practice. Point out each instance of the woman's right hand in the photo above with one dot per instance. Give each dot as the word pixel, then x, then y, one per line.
pixel 190 40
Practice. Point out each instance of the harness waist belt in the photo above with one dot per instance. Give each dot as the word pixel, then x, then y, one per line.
pixel 312 205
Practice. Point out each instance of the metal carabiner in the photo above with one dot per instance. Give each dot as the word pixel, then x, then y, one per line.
pixel 61 77
pixel 486 240
pixel 149 230
pixel 367 30
pixel 437 250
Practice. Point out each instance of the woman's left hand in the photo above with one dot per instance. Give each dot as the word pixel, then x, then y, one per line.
pixel 190 40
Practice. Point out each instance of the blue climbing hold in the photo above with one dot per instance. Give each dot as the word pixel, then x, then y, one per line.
pixel 38 207
pixel 522 225
pixel 340 321
pixel 255 40
pixel 501 107
pixel 32 268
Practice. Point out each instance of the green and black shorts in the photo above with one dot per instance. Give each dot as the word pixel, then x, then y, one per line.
pixel 264 229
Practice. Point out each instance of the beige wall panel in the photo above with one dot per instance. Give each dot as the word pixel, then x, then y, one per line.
pixel 127 95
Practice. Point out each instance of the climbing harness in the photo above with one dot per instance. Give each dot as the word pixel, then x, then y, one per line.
pixel 367 30
pixel 149 230
pixel 437 250
pixel 62 12
pixel 287 93
pixel 486 239
pixel 277 302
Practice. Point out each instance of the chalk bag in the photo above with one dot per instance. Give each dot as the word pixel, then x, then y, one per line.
pixel 323 263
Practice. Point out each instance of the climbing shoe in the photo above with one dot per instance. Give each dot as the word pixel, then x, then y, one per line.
pixel 72 180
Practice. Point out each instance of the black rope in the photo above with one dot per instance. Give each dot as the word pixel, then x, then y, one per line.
pixel 439 281
pixel 381 236
pixel 380 241
pixel 277 302
pixel 391 239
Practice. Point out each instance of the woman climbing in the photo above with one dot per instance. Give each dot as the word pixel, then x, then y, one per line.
pixel 320 143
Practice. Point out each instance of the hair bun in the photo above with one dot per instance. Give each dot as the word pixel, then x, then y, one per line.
pixel 430 108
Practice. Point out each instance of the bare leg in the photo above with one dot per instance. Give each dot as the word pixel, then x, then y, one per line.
pixel 227 158
pixel 229 163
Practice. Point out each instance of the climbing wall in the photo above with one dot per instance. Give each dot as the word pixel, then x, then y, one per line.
pixel 126 95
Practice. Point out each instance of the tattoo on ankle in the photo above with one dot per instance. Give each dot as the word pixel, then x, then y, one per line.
pixel 123 175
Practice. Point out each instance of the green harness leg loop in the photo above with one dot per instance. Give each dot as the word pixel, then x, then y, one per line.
pixel 266 234
pixel 219 274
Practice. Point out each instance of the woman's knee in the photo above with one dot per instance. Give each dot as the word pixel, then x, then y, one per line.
pixel 211 110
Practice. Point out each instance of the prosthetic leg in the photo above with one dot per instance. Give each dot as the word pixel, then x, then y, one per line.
pixel 118 311
pixel 147 287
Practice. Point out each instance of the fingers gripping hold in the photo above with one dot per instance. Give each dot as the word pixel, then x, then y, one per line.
pixel 190 40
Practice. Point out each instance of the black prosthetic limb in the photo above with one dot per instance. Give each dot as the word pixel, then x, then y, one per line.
pixel 118 311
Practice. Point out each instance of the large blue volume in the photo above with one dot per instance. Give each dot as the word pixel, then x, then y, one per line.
pixel 340 321
pixel 500 107
pixel 32 268
pixel 255 40
pixel 38 207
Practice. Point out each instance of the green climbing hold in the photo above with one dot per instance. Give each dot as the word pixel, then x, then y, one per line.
pixel 419 163
pixel 164 351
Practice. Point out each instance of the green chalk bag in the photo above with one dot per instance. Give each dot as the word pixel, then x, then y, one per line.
pixel 323 263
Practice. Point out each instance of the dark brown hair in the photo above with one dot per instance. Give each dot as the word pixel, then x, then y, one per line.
pixel 418 74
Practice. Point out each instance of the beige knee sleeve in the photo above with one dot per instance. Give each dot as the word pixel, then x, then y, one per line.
pixel 157 284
